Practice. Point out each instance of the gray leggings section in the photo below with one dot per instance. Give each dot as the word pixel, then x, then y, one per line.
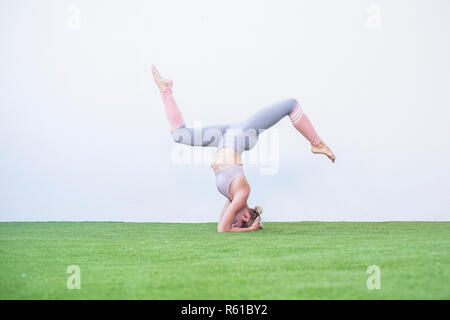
pixel 209 136
pixel 239 136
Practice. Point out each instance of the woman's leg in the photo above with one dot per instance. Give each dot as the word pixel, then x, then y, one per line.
pixel 302 123
pixel 209 136
pixel 204 137
pixel 269 116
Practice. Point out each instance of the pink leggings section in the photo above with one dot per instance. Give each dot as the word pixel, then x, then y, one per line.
pixel 173 113
pixel 302 123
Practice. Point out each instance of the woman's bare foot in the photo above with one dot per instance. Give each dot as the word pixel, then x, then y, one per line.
pixel 160 81
pixel 322 148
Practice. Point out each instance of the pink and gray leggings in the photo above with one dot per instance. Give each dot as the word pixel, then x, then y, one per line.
pixel 242 135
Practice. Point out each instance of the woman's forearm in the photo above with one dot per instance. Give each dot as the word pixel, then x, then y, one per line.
pixel 235 229
pixel 225 207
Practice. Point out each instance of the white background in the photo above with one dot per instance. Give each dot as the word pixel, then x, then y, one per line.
pixel 83 133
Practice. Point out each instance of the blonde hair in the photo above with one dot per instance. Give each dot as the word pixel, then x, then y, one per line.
pixel 254 214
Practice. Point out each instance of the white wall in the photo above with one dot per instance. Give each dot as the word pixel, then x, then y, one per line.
pixel 83 134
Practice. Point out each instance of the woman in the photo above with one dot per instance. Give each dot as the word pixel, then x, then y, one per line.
pixel 231 141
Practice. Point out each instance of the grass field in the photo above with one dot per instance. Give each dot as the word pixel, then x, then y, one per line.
pixel 303 260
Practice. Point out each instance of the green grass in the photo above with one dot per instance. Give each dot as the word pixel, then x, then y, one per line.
pixel 303 260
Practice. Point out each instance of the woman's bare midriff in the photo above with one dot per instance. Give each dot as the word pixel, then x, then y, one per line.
pixel 225 158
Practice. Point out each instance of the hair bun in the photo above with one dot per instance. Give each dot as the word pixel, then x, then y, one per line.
pixel 259 209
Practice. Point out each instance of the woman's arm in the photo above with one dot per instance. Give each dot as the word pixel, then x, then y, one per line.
pixel 223 210
pixel 253 227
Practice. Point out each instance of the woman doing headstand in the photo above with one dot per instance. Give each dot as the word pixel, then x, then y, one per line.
pixel 231 141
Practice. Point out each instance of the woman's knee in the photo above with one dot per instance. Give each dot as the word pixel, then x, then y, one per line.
pixel 292 102
pixel 180 135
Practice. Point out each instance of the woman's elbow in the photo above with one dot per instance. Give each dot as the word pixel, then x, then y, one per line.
pixel 221 228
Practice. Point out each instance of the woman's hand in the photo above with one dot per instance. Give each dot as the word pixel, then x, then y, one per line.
pixel 256 225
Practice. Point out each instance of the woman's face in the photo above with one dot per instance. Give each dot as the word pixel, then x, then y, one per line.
pixel 242 217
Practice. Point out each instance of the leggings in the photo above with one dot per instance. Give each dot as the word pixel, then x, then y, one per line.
pixel 242 135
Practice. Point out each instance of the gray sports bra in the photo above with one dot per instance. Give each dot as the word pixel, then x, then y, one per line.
pixel 225 176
